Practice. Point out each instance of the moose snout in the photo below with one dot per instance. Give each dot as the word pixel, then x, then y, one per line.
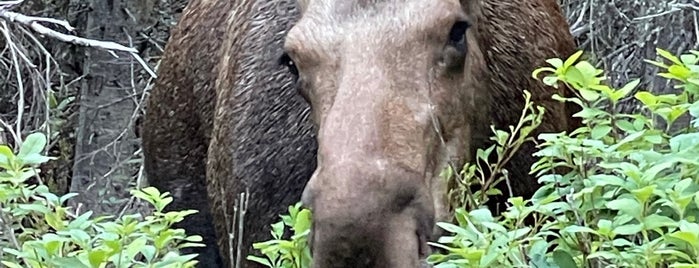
pixel 368 216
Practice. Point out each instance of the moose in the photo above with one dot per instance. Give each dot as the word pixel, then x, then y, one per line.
pixel 351 106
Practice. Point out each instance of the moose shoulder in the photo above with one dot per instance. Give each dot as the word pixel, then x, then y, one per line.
pixel 353 106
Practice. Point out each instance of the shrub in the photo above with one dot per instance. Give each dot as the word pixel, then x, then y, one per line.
pixel 630 198
pixel 36 230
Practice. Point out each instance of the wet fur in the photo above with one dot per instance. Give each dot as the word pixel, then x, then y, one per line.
pixel 242 128
pixel 226 115
pixel 521 36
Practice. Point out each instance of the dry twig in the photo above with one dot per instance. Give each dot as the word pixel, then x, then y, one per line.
pixel 33 23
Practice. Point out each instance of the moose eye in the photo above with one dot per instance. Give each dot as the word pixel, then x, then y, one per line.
pixel 457 35
pixel 285 60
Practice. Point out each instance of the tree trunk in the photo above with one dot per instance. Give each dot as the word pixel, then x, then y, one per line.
pixel 108 98
pixel 620 34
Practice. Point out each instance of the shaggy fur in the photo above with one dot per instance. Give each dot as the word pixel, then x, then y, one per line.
pixel 242 128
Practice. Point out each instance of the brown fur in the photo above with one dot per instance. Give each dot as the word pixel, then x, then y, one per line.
pixel 179 119
pixel 224 115
pixel 241 128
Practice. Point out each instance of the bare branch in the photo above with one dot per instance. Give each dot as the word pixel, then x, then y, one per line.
pixel 33 23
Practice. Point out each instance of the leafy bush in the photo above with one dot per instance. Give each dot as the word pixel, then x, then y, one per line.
pixel 630 198
pixel 36 230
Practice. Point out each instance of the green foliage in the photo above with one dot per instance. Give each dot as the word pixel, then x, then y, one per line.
pixel 37 230
pixel 620 191
pixel 293 253
pixel 479 239
pixel 487 175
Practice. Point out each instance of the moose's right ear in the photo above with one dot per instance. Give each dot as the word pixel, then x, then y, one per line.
pixel 303 4
pixel 472 8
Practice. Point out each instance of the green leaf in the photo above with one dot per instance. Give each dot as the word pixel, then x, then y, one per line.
pixel 644 193
pixel 621 242
pixel 33 144
pixel 72 262
pixel 600 131
pixel 35 159
pixel 689 59
pixel 55 221
pixel 571 60
pixel 303 221
pixel 688 237
pixel 453 228
pixel 563 259
pixel 654 138
pixel 627 205
pixel 589 72
pixel 259 260
pixel 665 54
pixel 694 81
pixel 604 180
pixel 7 157
pixel 680 71
pixel 648 99
pixel 555 62
pixel 134 248
pixel 630 138
pixel 676 253
pixel 482 215
pixel 575 78
pixel 578 229
pixel 588 112
pixel 97 257
pixel 625 90
pixel 628 229
pixel 278 229
pixel 604 228
pixel 589 95
pixel 684 142
pixel 625 125
pixel 654 221
pixel 11 264
pixel 148 252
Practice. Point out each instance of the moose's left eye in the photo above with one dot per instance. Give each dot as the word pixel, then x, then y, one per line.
pixel 455 49
pixel 289 63
pixel 457 35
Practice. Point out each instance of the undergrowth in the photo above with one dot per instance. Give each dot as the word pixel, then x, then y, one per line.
pixel 38 230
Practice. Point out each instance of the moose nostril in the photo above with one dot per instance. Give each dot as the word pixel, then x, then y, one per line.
pixel 310 239
pixel 307 197
pixel 422 250
pixel 406 194
pixel 403 199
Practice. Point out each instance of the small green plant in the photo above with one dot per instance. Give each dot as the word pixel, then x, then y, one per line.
pixel 293 253
pixel 486 175
pixel 629 198
pixel 479 239
pixel 37 230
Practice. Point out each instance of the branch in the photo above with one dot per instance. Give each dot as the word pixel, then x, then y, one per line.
pixel 33 23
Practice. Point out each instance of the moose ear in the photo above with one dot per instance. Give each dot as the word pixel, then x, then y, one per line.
pixel 303 4
pixel 472 8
